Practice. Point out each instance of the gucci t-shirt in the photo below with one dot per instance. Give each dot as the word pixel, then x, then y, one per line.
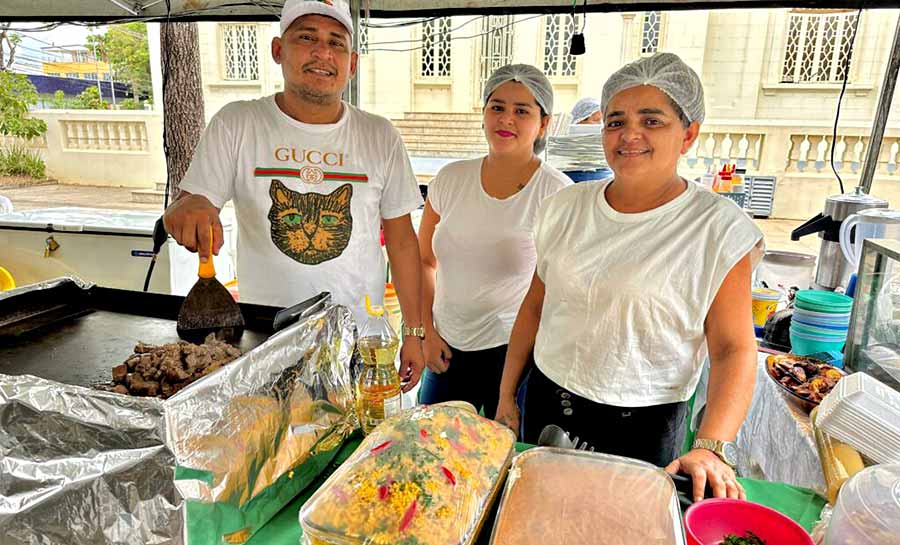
pixel 309 199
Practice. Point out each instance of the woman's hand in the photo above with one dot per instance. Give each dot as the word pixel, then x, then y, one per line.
pixel 703 465
pixel 508 413
pixel 437 352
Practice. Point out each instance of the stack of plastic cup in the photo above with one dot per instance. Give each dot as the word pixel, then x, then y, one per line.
pixel 820 322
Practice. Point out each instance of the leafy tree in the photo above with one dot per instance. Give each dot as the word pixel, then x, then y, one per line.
pixel 131 104
pixel 12 40
pixel 89 99
pixel 126 49
pixel 59 100
pixel 16 93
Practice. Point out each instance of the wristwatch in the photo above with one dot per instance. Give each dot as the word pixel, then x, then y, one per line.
pixel 727 451
pixel 407 331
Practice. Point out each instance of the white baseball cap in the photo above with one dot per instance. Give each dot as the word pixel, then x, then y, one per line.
pixel 336 9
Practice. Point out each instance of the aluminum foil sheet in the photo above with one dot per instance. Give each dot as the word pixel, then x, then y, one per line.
pixel 49 284
pixel 82 466
pixel 776 440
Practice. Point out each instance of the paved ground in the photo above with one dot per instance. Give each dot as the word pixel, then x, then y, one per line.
pixel 777 232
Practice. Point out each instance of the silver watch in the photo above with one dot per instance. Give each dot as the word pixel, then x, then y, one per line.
pixel 407 331
pixel 727 451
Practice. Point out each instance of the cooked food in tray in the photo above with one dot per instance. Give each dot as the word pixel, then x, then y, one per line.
pixel 161 371
pixel 424 477
pixel 806 377
pixel 590 498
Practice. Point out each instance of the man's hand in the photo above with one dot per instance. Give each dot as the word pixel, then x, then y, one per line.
pixel 412 362
pixel 703 465
pixel 188 220
pixel 437 352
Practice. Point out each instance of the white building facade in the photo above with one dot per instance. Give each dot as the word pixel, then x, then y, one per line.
pixel 772 80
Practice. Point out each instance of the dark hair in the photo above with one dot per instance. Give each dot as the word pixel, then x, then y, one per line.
pixel 685 122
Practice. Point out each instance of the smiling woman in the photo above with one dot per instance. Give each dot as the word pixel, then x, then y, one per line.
pixel 476 241
pixel 637 278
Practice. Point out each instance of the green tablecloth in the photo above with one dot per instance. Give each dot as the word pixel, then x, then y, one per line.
pixel 799 504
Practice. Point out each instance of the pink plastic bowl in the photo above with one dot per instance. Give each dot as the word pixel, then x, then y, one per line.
pixel 708 522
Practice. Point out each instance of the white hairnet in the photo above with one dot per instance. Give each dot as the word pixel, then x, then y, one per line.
pixel 668 73
pixel 536 83
pixel 584 109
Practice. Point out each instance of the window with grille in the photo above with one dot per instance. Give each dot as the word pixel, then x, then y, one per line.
pixel 818 47
pixel 436 48
pixel 72 75
pixel 558 31
pixel 239 45
pixel 650 32
pixel 363 47
pixel 496 44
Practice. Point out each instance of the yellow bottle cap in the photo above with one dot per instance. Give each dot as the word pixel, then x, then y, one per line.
pixel 373 310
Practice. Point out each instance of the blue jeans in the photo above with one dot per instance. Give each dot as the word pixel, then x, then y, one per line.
pixel 588 175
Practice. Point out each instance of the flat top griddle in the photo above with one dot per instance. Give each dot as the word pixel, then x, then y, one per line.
pixel 76 336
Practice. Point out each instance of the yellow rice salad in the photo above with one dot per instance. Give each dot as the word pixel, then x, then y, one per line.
pixel 424 477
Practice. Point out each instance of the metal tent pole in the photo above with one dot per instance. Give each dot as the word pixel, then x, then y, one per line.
pixel 354 82
pixel 881 115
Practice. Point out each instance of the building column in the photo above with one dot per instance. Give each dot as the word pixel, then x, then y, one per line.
pixel 627 38
pixel 155 65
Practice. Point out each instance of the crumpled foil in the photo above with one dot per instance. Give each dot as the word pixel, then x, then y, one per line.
pixel 776 440
pixel 49 284
pixel 83 466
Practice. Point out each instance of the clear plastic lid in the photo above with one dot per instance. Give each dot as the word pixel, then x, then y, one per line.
pixel 588 497
pixel 868 509
pixel 426 476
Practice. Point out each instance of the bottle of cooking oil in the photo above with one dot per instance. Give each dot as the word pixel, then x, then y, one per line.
pixel 378 388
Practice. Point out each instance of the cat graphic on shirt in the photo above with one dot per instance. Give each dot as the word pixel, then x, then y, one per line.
pixel 310 228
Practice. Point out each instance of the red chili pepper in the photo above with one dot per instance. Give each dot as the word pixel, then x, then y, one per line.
pixel 449 475
pixel 408 516
pixel 423 433
pixel 456 423
pixel 456 445
pixel 383 492
pixel 381 447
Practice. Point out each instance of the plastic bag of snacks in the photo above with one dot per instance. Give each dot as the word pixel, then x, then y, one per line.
pixel 424 477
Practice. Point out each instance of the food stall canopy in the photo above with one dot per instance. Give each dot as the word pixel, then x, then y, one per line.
pixel 87 10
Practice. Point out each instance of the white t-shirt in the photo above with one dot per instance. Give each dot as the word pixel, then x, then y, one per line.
pixel 309 199
pixel 485 252
pixel 627 294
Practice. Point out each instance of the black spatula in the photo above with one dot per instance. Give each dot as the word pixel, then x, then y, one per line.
pixel 209 308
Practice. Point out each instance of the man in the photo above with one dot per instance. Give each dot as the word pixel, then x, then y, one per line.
pixel 312 179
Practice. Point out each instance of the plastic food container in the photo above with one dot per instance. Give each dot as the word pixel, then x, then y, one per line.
pixel 426 476
pixel 588 498
pixel 803 345
pixel 764 303
pixel 868 509
pixel 823 301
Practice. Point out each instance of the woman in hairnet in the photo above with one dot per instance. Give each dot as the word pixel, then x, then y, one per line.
pixel 476 241
pixel 637 278
pixel 579 153
pixel 587 112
